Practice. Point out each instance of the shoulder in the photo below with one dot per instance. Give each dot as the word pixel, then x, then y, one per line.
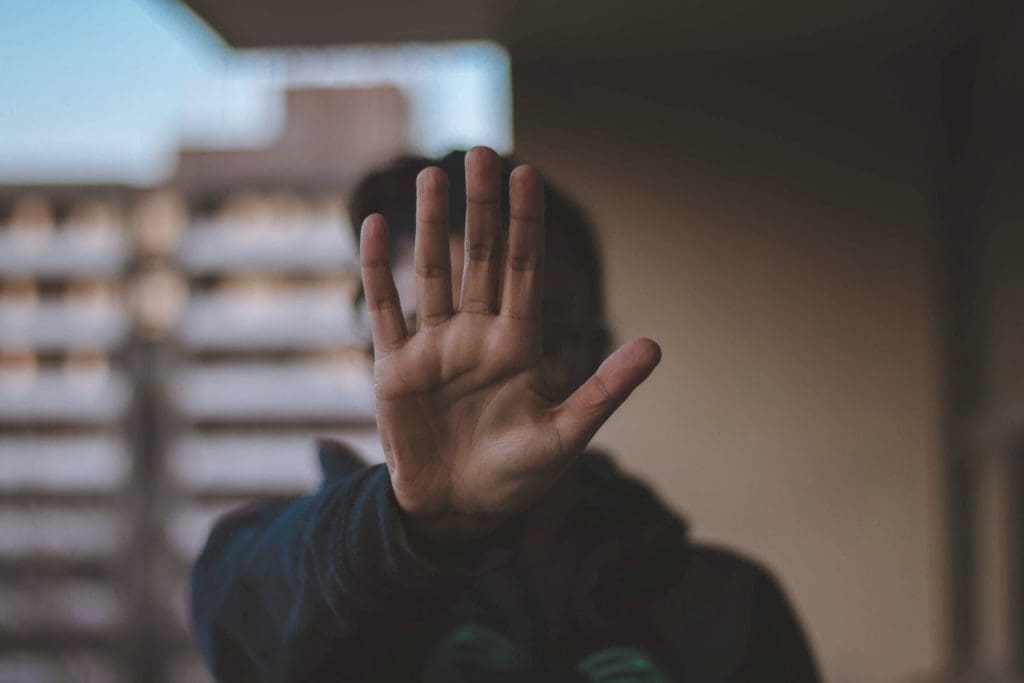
pixel 734 621
pixel 725 612
pixel 710 560
pixel 727 581
pixel 606 487
pixel 707 577
pixel 737 618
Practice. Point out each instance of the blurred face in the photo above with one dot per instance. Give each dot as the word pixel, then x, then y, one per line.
pixel 573 339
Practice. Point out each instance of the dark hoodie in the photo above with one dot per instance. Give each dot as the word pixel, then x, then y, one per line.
pixel 598 581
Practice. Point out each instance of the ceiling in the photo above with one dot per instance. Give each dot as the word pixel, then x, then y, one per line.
pixel 567 30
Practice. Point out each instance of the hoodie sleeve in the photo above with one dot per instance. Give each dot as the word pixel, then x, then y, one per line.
pixel 320 587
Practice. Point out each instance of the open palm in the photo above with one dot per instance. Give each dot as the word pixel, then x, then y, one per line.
pixel 470 429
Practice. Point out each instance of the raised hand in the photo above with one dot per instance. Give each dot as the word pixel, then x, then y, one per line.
pixel 471 432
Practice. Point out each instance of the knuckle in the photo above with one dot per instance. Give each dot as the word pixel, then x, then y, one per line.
pixel 382 304
pixel 603 397
pixel 483 202
pixel 481 251
pixel 434 219
pixel 476 305
pixel 433 272
pixel 431 319
pixel 522 262
pixel 526 217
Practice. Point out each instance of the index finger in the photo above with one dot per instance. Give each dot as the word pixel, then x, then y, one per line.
pixel 381 295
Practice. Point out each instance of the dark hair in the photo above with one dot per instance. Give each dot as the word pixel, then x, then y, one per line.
pixel 391 192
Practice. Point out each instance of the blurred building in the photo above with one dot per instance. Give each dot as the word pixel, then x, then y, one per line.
pixel 166 353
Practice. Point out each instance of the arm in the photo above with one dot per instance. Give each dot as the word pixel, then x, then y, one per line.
pixel 321 585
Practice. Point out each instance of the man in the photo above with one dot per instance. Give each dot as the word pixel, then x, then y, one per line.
pixel 490 547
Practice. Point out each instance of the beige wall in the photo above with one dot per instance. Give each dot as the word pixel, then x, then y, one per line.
pixel 794 416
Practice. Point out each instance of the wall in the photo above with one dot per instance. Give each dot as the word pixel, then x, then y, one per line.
pixel 773 237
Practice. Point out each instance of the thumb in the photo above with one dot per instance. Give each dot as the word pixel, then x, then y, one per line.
pixel 579 417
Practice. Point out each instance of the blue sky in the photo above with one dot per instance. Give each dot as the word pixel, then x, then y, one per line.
pixel 105 90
